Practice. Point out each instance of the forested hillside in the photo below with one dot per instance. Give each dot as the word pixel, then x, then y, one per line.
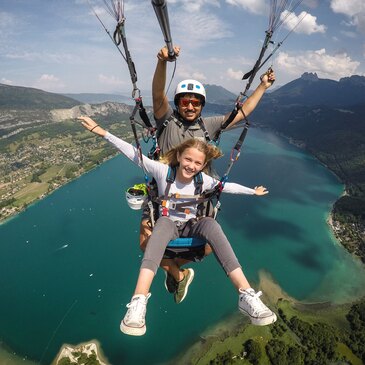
pixel 18 97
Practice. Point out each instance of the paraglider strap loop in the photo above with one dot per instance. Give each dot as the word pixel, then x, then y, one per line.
pixel 121 22
pixel 117 35
pixel 239 105
pixel 146 180
pixel 169 204
pixel 136 107
pixel 268 36
pixel 137 98
pixel 150 133
pixel 154 153
pixel 218 138
pixel 165 123
pixel 222 182
pixel 235 155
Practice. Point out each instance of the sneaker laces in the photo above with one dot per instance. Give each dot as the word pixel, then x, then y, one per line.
pixel 137 306
pixel 254 301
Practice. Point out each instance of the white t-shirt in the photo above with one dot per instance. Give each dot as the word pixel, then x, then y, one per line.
pixel 159 170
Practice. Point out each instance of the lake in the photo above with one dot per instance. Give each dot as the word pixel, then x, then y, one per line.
pixel 69 263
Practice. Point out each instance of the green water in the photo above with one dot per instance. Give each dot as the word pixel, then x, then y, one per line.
pixel 68 264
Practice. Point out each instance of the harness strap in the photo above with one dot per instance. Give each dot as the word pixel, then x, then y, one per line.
pixel 182 207
pixel 166 202
pixel 170 178
pixel 176 118
pixel 202 126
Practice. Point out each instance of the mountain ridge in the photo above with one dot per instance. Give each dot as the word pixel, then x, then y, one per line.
pixel 310 90
pixel 21 97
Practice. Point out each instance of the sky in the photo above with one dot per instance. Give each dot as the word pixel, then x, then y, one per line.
pixel 60 46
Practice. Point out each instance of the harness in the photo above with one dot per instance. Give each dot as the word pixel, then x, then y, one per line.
pixel 154 154
pixel 182 202
pixel 190 248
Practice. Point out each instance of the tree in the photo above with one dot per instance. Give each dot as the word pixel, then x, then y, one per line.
pixel 295 355
pixel 253 350
pixel 276 350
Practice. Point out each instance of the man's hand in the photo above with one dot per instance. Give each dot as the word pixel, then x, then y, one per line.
pixel 268 78
pixel 163 54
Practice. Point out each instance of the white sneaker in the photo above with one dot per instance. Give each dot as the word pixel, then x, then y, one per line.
pixel 250 304
pixel 134 323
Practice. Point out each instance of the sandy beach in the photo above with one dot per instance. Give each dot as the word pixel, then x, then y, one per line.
pixel 86 347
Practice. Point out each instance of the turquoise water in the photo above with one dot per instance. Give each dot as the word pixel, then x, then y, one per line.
pixel 68 264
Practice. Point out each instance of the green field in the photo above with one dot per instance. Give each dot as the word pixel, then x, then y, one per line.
pixel 227 342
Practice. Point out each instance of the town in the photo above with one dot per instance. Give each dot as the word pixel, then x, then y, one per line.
pixel 43 158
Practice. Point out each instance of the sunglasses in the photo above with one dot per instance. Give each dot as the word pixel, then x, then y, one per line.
pixel 184 102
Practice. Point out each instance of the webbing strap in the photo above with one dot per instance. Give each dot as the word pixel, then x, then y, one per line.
pixel 176 118
pixel 166 202
pixel 202 126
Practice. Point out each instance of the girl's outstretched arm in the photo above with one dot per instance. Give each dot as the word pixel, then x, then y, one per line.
pixel 232 188
pixel 152 167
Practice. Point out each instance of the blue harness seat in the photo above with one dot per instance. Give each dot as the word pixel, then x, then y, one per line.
pixel 187 242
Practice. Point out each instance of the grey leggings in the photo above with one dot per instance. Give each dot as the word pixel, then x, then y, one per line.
pixel 206 228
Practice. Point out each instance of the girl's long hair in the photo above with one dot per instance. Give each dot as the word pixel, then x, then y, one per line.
pixel 210 151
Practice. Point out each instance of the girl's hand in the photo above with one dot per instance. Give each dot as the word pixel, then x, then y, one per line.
pixel 92 126
pixel 260 190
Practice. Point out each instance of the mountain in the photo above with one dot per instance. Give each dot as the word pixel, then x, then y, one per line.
pixel 18 97
pixel 310 90
pixel 219 95
pixel 215 95
pixel 22 109
pixel 325 116
pixel 92 98
pixel 95 98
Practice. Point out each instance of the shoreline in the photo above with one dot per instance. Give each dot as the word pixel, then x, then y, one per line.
pixel 22 209
pixel 337 228
pixel 88 347
pixel 213 339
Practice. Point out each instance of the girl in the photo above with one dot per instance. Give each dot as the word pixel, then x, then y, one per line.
pixel 189 158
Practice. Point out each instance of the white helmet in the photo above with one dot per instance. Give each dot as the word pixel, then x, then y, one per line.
pixel 136 196
pixel 190 87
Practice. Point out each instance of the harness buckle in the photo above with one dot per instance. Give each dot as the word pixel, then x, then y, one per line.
pixel 168 204
pixel 165 212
